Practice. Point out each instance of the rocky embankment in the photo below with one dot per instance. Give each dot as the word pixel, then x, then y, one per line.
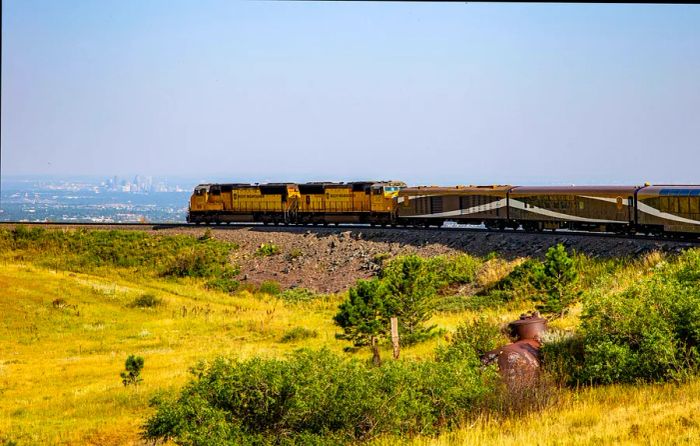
pixel 332 259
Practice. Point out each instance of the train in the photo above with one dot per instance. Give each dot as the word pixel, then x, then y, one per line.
pixel 647 209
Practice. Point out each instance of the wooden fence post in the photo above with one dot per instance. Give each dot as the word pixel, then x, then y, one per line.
pixel 395 336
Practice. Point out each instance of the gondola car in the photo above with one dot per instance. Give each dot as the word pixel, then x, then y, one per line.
pixel 432 205
pixel 668 209
pixel 588 208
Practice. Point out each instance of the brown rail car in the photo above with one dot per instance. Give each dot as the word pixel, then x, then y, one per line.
pixel 589 208
pixel 668 209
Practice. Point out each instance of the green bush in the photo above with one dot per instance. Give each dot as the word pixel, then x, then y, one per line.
pixel 453 270
pixel 298 295
pixel 85 250
pixel 298 334
pixel 147 300
pixel 226 285
pixel 473 302
pixel 200 261
pixel 317 397
pixel 270 287
pixel 267 249
pixel 519 285
pixel 472 339
pixel 649 332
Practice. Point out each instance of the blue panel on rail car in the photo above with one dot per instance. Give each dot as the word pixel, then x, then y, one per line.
pixel 680 192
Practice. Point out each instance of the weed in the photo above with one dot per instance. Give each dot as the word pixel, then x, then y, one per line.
pixel 267 249
pixel 294 254
pixel 270 287
pixel 298 295
pixel 298 334
pixel 147 300
pixel 224 284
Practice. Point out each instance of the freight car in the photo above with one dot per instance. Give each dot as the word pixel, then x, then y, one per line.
pixel 369 202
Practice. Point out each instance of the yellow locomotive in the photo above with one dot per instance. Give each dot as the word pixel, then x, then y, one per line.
pixel 370 202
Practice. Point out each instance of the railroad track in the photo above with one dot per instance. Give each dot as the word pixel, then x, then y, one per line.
pixel 694 240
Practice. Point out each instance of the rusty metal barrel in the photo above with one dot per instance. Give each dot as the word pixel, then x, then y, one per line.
pixel 519 361
pixel 528 326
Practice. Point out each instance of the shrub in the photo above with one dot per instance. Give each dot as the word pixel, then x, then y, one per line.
pixel 207 235
pixel 298 295
pixel 132 374
pixel 83 250
pixel 472 339
pixel 270 287
pixel 224 284
pixel 562 356
pixel 380 258
pixel 59 303
pixel 297 334
pixel 317 397
pixel 295 253
pixel 649 332
pixel 200 261
pixel 267 249
pixel 519 284
pixel 492 271
pixel 453 270
pixel 147 300
pixel 474 302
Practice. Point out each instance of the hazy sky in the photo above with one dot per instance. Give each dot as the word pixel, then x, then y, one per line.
pixel 427 93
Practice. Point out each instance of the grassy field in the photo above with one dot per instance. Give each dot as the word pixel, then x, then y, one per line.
pixel 64 337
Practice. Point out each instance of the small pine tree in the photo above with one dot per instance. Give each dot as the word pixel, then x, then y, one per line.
pixel 556 278
pixel 412 289
pixel 363 316
pixel 132 374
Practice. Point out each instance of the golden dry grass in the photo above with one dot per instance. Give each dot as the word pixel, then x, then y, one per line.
pixel 610 415
pixel 59 367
